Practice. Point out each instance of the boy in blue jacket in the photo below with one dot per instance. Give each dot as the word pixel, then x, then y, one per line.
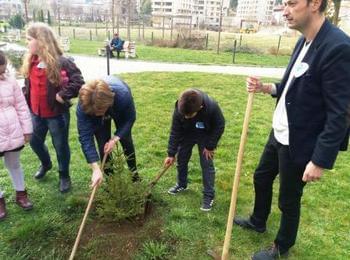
pixel 197 119
pixel 100 101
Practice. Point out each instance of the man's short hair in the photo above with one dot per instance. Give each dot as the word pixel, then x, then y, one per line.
pixel 190 101
pixel 95 97
pixel 323 5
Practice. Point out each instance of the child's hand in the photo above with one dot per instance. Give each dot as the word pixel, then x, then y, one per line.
pixel 59 99
pixel 169 161
pixel 208 154
pixel 27 137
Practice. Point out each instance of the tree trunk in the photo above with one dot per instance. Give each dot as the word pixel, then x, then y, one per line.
pixel 337 4
pixel 113 16
pixel 129 20
pixel 26 2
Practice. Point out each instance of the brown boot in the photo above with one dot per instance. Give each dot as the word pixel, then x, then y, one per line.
pixel 2 208
pixel 23 201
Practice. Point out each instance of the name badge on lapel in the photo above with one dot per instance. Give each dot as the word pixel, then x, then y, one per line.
pixel 41 65
pixel 301 69
pixel 200 125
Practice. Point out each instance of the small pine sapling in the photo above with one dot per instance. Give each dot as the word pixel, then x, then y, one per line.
pixel 118 197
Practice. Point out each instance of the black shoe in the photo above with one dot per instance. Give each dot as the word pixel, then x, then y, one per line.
pixel 207 204
pixel 135 177
pixel 270 254
pixel 42 171
pixel 65 184
pixel 176 189
pixel 246 223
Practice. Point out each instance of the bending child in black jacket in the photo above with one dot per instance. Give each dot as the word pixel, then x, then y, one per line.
pixel 197 119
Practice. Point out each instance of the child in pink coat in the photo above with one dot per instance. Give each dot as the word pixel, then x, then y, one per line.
pixel 15 130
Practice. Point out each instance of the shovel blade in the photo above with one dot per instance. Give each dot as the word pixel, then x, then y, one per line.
pixel 213 254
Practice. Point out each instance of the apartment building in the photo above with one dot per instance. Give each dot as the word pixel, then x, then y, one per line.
pixel 194 12
pixel 9 8
pixel 260 11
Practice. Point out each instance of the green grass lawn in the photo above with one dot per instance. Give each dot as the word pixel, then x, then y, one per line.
pixel 184 232
pixel 152 53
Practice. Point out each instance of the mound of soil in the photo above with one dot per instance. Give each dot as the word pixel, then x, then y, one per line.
pixel 118 240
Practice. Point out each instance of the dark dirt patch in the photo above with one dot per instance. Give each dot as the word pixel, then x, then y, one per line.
pixel 119 240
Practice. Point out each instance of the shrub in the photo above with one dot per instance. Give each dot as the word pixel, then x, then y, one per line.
pixel 17 21
pixel 194 43
pixel 154 250
pixel 15 58
pixel 119 198
pixel 282 51
pixel 249 49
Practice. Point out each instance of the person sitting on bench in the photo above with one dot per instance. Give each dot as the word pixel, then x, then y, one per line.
pixel 116 45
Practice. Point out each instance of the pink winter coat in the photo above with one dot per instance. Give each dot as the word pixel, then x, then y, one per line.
pixel 15 119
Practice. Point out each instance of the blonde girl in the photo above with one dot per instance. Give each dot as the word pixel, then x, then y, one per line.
pixel 51 80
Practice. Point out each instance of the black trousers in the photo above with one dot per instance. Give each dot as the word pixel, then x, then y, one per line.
pixel 103 135
pixel 208 170
pixel 114 49
pixel 276 160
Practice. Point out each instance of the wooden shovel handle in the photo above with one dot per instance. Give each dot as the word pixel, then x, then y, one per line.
pixel 232 210
pixel 160 174
pixel 82 225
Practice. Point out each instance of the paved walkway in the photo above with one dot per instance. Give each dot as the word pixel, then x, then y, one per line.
pixel 95 67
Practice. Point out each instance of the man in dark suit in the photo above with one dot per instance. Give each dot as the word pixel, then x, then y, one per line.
pixel 310 122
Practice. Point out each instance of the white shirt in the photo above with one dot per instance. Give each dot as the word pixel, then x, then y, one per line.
pixel 280 118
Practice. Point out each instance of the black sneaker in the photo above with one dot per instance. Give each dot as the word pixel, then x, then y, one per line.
pixel 135 177
pixel 176 189
pixel 246 223
pixel 270 254
pixel 207 205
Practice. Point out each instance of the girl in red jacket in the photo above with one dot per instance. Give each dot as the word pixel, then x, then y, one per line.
pixel 51 80
pixel 15 130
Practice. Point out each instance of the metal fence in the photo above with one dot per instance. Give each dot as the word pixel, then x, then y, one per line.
pixel 250 43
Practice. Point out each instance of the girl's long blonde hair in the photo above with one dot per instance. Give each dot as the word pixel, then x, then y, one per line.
pixel 48 51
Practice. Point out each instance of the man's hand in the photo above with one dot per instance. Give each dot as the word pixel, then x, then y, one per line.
pixel 59 99
pixel 27 137
pixel 97 176
pixel 169 161
pixel 208 154
pixel 312 172
pixel 109 146
pixel 255 85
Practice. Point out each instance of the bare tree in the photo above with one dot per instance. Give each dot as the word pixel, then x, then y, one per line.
pixel 26 3
pixel 333 10
pixel 129 19
pixel 337 4
pixel 113 16
pixel 54 8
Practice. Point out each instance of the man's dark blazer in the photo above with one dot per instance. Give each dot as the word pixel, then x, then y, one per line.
pixel 318 101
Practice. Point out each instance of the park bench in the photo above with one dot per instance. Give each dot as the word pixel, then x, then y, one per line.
pixel 64 43
pixel 13 36
pixel 129 49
